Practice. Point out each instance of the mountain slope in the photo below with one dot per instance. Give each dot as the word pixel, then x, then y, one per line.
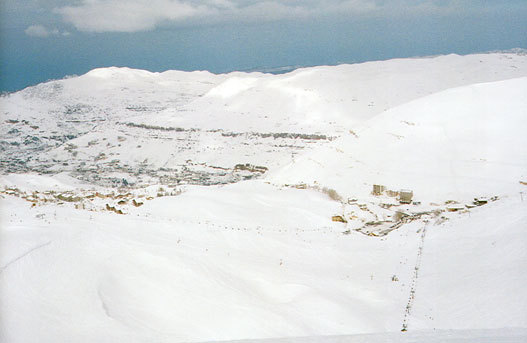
pixel 182 126
pixel 457 144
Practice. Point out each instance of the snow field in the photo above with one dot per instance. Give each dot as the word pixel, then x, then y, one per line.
pixel 262 259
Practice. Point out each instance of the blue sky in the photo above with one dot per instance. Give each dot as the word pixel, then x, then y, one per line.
pixel 49 39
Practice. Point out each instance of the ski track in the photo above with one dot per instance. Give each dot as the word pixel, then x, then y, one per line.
pixel 3 268
pixel 415 276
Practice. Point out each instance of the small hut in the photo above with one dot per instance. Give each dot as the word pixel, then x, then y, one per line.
pixel 378 189
pixel 405 196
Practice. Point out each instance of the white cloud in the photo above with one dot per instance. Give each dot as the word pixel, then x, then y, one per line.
pixel 141 15
pixel 42 31
pixel 127 15
pixel 38 31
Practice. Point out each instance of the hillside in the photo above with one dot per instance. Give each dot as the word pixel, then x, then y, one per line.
pixel 456 144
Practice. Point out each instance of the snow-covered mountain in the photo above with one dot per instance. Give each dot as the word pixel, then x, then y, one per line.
pixel 117 123
pixel 193 207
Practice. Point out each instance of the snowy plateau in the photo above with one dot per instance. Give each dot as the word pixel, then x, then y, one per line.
pixel 375 202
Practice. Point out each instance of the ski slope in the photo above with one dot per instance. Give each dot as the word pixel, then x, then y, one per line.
pixel 154 277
